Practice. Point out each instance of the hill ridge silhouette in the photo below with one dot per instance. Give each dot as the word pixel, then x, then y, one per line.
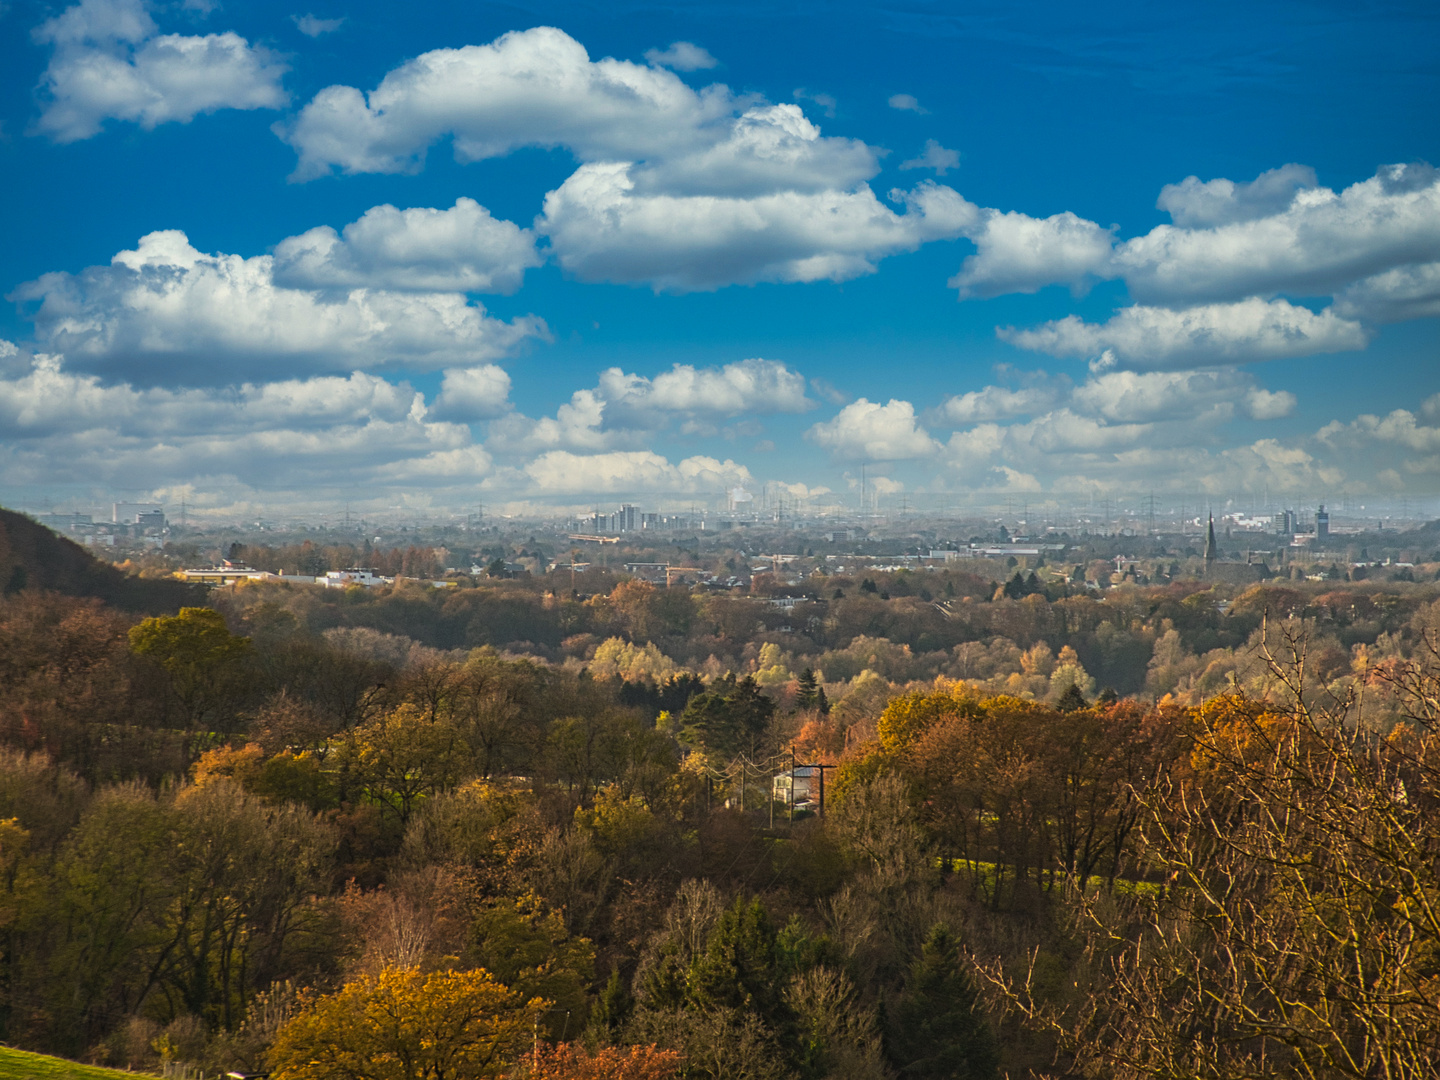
pixel 34 557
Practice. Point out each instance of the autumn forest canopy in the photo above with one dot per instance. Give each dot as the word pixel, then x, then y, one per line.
pixel 539 828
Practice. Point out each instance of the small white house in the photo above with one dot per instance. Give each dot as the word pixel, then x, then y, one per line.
pixel 802 785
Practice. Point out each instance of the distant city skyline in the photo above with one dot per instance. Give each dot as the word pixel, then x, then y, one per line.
pixel 266 261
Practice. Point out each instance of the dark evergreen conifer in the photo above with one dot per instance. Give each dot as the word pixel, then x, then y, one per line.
pixel 809 689
pixel 616 1003
pixel 728 717
pixel 737 969
pixel 935 1029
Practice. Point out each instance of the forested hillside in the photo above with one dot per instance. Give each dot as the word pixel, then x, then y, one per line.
pixel 539 823
pixel 33 557
pixel 1188 638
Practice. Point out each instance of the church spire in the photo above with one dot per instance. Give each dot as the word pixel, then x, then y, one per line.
pixel 1210 544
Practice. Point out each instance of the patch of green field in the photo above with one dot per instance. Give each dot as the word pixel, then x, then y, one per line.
pixel 984 874
pixel 23 1065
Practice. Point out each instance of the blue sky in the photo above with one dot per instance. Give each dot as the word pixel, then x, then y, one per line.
pixel 547 255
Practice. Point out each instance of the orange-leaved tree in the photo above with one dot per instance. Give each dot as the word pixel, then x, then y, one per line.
pixel 571 1061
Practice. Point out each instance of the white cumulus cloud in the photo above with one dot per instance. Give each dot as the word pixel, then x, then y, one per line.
pixel 769 148
pixel 1124 397
pixel 561 472
pixel 60 426
pixel 534 87
pixel 625 408
pixel 1277 234
pixel 1116 429
pixel 49 399
pixel 907 103
pixel 602 229
pixel 755 386
pixel 462 249
pixel 1209 288
pixel 1396 445
pixel 678 188
pixel 1317 244
pixel 1069 453
pixel 578 424
pixel 110 62
pixel 1213 334
pixel 1131 396
pixel 867 430
pixel 474 393
pixel 1407 292
pixel 1264 404
pixel 1019 253
pixel 167 309
pixel 1002 402
pixel 1194 203
pixel 1400 428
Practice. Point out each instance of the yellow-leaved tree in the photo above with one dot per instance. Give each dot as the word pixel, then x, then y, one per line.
pixel 201 657
pixel 406 1025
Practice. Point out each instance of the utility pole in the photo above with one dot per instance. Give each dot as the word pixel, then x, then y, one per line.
pixel 821 770
pixel 792 785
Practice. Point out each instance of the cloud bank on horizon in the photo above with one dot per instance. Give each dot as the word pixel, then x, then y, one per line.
pixel 384 350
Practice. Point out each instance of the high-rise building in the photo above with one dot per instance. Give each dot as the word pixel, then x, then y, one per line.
pixel 1286 523
pixel 126 513
pixel 628 520
pixel 1322 523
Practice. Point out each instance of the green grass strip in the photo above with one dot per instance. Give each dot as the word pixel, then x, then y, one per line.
pixel 23 1065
